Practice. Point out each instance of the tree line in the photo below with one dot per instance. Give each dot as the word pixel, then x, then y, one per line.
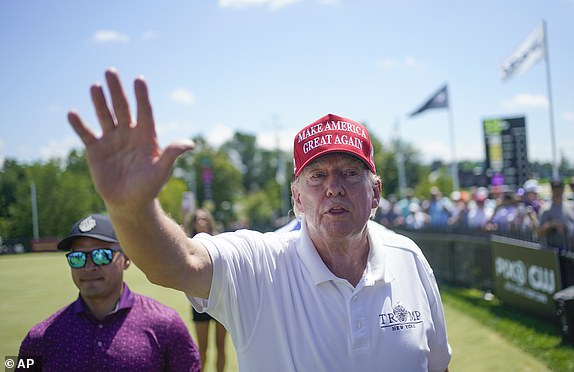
pixel 241 183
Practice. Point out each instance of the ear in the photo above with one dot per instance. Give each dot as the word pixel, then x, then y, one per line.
pixel 127 262
pixel 377 194
pixel 296 196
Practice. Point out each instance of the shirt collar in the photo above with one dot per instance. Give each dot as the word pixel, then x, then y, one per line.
pixel 126 301
pixel 377 267
pixel 311 259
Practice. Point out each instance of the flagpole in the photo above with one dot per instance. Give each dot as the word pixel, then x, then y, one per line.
pixel 454 165
pixel 400 161
pixel 555 174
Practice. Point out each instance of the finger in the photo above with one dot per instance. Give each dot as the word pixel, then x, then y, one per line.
pixel 103 113
pixel 119 99
pixel 144 109
pixel 85 133
pixel 172 152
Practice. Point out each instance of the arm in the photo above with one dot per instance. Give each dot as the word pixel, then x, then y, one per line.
pixel 128 169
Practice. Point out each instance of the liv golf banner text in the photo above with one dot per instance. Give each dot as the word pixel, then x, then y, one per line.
pixel 526 276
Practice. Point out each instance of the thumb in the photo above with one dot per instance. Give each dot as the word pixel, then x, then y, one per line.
pixel 173 151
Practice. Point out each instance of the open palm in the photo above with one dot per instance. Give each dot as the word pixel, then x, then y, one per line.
pixel 128 166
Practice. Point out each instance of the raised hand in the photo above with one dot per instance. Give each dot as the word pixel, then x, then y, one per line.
pixel 128 166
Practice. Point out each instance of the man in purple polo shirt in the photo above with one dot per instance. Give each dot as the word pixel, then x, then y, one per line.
pixel 108 328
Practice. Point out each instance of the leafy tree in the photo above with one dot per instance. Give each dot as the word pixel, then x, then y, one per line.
pixel 237 181
pixel 243 152
pixel 261 207
pixel 215 180
pixel 14 187
pixel 170 198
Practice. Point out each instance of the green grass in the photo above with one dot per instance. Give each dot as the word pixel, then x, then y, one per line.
pixel 35 285
pixel 535 336
pixel 485 336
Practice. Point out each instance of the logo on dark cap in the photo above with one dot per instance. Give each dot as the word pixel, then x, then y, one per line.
pixel 87 224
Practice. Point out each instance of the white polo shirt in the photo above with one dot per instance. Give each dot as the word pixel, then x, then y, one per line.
pixel 286 311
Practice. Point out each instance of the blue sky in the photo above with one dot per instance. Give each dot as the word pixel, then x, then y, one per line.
pixel 269 67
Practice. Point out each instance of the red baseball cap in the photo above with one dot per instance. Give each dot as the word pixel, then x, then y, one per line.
pixel 332 133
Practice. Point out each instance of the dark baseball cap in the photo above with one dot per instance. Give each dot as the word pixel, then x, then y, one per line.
pixel 97 226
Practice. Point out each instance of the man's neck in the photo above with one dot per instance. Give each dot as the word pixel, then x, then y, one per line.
pixel 101 307
pixel 345 258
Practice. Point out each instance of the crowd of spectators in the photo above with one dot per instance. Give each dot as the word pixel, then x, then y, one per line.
pixel 527 213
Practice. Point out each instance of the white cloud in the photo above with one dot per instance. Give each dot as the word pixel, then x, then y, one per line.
pixel 174 130
pixel 386 63
pixel 60 148
pixel 270 140
pixel 219 135
pixel 110 36
pixel 568 116
pixel 266 140
pixel 391 63
pixel 411 62
pixel 150 35
pixel 239 4
pixel 276 4
pixel 525 101
pixel 183 96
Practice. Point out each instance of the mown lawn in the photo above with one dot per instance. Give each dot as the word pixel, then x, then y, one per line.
pixel 535 337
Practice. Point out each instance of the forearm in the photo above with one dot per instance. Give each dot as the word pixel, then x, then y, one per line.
pixel 161 249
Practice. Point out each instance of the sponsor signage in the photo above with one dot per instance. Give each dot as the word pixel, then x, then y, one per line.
pixel 506 152
pixel 525 275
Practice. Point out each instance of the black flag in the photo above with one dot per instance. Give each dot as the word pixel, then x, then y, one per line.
pixel 438 100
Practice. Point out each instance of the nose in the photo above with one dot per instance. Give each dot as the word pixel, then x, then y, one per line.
pixel 335 185
pixel 89 264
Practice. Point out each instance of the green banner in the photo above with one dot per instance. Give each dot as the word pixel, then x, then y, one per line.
pixel 525 275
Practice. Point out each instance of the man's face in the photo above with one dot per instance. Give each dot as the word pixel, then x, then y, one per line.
pixel 336 194
pixel 531 196
pixel 99 282
pixel 201 222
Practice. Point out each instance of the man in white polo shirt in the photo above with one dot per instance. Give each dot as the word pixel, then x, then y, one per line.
pixel 341 294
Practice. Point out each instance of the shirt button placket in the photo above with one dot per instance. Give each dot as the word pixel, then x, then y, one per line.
pixel 100 343
pixel 357 322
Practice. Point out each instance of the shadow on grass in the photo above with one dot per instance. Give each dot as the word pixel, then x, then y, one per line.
pixel 537 336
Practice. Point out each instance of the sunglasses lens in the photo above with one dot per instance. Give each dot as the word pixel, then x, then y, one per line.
pixel 76 260
pixel 102 256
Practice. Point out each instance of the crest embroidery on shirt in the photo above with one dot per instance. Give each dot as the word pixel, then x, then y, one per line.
pixel 400 319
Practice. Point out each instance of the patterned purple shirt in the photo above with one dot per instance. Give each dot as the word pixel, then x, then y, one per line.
pixel 141 335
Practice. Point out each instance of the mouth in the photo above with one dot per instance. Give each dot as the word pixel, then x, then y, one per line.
pixel 337 211
pixel 91 280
